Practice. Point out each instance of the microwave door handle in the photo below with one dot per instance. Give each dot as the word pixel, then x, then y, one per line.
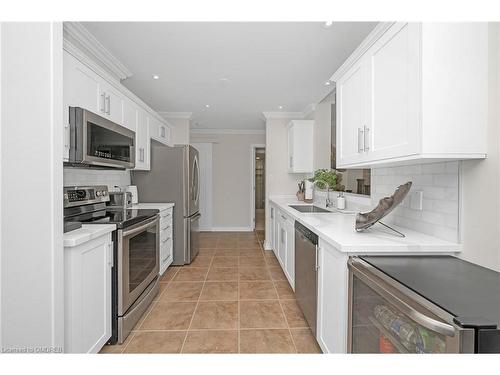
pixel 361 271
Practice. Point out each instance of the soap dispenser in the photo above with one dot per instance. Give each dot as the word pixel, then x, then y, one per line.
pixel 341 201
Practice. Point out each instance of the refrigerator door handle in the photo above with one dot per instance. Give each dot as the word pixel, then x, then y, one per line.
pixel 363 273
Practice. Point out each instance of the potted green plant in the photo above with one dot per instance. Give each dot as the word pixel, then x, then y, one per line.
pixel 327 179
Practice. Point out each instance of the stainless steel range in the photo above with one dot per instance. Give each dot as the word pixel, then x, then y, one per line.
pixel 136 252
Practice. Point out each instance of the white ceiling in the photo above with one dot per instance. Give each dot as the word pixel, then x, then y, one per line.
pixel 266 65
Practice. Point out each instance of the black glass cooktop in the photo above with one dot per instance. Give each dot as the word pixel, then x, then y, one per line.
pixel 469 292
pixel 122 218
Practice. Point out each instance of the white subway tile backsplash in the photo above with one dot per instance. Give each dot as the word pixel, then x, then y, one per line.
pixel 439 185
pixel 81 176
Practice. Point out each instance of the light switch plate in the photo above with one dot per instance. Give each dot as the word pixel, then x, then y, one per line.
pixel 416 199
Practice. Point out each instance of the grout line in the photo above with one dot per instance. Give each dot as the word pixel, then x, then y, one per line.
pixel 196 307
pixel 128 343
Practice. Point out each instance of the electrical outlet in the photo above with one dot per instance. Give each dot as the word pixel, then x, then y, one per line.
pixel 416 199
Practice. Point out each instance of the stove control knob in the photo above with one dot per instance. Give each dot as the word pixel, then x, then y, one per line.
pixel 98 193
pixel 103 193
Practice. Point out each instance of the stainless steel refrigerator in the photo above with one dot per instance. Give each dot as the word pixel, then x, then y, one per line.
pixel 175 177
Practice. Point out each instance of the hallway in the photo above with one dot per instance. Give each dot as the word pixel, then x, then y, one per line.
pixel 234 298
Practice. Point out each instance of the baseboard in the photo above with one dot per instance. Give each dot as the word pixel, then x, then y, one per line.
pixel 232 229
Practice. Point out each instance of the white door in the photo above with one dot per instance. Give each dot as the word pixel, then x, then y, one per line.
pixel 393 120
pixel 352 94
pixel 205 184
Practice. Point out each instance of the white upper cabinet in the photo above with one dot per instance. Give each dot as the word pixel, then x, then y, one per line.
pixel 80 89
pixel 352 94
pixel 143 141
pixel 401 95
pixel 129 114
pixel 160 131
pixel 300 146
pixel 111 103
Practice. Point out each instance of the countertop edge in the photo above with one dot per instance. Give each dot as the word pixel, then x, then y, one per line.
pixel 86 233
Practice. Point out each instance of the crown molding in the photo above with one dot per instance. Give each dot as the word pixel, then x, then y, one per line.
pixel 282 115
pixel 77 36
pixel 376 33
pixel 308 110
pixel 181 115
pixel 228 131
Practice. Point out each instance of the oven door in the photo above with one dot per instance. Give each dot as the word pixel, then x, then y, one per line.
pixel 387 317
pixel 138 261
pixel 97 141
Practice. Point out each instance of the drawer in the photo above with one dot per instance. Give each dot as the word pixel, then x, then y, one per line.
pixel 165 223
pixel 165 233
pixel 166 249
pixel 166 214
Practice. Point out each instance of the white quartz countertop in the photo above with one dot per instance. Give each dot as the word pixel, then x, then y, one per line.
pixel 86 233
pixel 148 206
pixel 338 229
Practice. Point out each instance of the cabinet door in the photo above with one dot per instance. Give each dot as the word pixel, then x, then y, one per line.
pixel 270 234
pixel 143 141
pixel 352 94
pixel 332 300
pixel 283 240
pixel 80 89
pixel 276 233
pixel 88 295
pixel 290 252
pixel 290 149
pixel 129 115
pixel 392 129
pixel 113 103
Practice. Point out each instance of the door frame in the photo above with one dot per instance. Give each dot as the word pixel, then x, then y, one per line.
pixel 253 149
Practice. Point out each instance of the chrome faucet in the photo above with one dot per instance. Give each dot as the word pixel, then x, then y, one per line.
pixel 328 202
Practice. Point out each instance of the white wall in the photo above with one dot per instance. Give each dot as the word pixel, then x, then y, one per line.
pixel 322 132
pixel 231 179
pixel 480 185
pixel 181 126
pixel 32 273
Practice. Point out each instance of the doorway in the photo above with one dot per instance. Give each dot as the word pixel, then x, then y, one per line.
pixel 259 189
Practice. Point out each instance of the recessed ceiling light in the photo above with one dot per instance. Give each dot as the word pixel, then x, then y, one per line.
pixel 328 24
pixel 156 76
pixel 328 83
pixel 207 105
pixel 280 107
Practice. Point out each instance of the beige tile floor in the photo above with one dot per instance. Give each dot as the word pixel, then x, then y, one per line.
pixel 234 298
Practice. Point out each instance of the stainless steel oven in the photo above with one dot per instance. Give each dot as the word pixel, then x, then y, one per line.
pixel 138 261
pixel 96 141
pixel 387 317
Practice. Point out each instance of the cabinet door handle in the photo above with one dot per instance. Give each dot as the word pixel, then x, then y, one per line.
pixel 291 161
pixel 360 136
pixel 366 144
pixel 110 254
pixel 316 267
pixel 108 105
pixel 103 103
pixel 162 132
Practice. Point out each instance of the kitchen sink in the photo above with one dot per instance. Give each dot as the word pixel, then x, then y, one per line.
pixel 309 208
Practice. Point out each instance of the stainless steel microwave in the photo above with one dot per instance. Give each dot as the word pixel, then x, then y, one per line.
pixel 96 141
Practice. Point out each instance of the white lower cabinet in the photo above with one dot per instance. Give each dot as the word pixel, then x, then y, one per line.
pixel 87 294
pixel 166 239
pixel 284 244
pixel 331 332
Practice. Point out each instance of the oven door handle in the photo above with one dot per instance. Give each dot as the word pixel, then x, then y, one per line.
pixel 434 325
pixel 151 222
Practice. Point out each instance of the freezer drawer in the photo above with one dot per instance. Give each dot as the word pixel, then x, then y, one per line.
pixel 387 317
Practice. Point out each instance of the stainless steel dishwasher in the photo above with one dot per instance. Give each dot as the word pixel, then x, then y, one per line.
pixel 306 270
